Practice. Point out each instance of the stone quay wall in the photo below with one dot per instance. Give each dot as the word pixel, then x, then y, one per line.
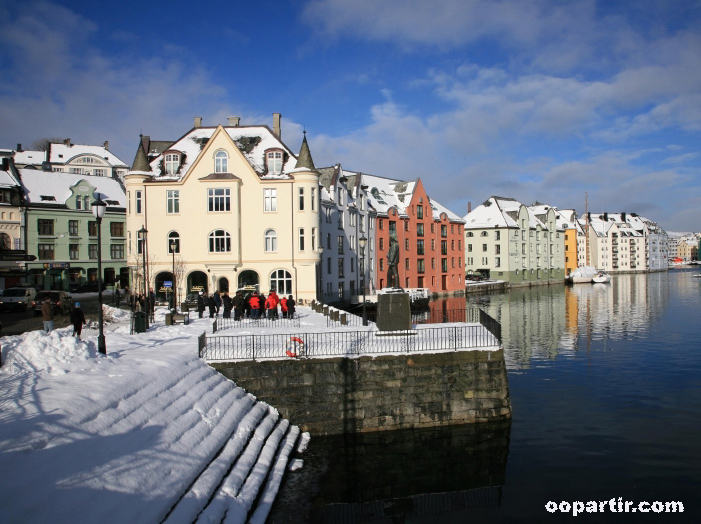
pixel 341 395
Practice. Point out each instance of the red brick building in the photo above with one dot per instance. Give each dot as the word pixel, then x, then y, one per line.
pixel 428 234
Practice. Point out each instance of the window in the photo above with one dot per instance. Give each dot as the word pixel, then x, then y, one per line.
pixel 270 198
pixel 433 244
pixel 352 263
pixel 219 199
pixel 469 248
pixel 99 172
pixel 419 229
pixel 419 247
pixel 274 162
pixel 92 251
pixel 173 237
pixel 497 235
pixel 301 239
pixel 137 195
pixel 497 249
pixel 340 244
pixel 452 245
pixel 78 202
pixel 420 267
pixel 45 226
pixel 433 263
pixel 452 228
pixel 362 223
pixel 301 199
pixel 340 219
pixel 351 241
pixel 406 225
pixel 327 211
pixel 419 212
pixel 172 163
pixel 328 265
pixel 5 197
pixel 73 251
pixel 382 264
pixel 381 225
pixel 219 241
pixel 382 244
pixel 117 229
pixel 339 194
pixel 73 228
pixel 459 261
pixel 406 263
pixel 313 199
pixel 469 234
pixel 270 241
pixel 328 240
pixel 340 268
pixel 173 201
pixel 117 251
pixel 340 290
pixel 313 239
pixel 444 231
pixel 406 244
pixel 459 245
pixel 444 265
pixel 352 287
pixel 484 234
pixel 92 229
pixel 351 219
pixel 361 202
pixel 452 261
pixel 444 247
pixel 281 282
pixel 221 162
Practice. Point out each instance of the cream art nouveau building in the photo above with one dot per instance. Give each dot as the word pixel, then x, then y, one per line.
pixel 237 207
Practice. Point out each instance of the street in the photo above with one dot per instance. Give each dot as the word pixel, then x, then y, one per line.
pixel 18 322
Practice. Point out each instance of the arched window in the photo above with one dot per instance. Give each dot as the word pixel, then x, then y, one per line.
pixel 270 241
pixel 469 234
pixel 221 162
pixel 219 241
pixel 281 282
pixel 5 241
pixel 484 234
pixel 173 238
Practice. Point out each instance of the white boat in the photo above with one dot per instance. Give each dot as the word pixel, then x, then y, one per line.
pixel 601 278
pixel 697 275
pixel 582 275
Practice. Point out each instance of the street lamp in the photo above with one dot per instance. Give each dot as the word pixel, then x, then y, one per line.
pixel 141 235
pixel 362 241
pixel 98 210
pixel 173 245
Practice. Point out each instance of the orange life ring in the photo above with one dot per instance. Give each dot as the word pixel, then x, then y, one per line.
pixel 294 346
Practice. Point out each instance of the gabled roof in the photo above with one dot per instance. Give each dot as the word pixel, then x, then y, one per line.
pixel 252 141
pixel 494 212
pixel 38 184
pixel 62 153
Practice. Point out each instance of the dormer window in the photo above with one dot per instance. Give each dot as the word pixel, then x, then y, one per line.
pixel 221 162
pixel 274 162
pixel 172 162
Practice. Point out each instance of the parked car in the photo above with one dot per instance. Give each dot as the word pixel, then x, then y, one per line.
pixel 61 302
pixel 17 298
pixel 190 301
pixel 87 287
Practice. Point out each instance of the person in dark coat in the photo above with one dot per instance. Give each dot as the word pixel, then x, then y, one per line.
pixel 247 305
pixel 238 304
pixel 117 297
pixel 228 304
pixel 77 319
pixel 217 300
pixel 212 306
pixel 200 304
pixel 152 301
pixel 290 307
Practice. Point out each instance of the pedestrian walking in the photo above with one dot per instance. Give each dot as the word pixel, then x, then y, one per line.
pixel 47 315
pixel 77 319
pixel 200 304
pixel 152 302
pixel 117 297
pixel 239 304
pixel 290 307
pixel 212 306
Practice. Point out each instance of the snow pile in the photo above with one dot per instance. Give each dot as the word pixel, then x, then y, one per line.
pixel 38 351
pixel 584 272
pixel 112 314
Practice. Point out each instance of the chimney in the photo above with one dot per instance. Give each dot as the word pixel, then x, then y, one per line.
pixel 6 163
pixel 67 142
pixel 623 217
pixel 107 145
pixel 234 121
pixel 198 121
pixel 469 207
pixel 276 124
pixel 19 148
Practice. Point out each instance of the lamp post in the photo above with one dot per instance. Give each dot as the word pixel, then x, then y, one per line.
pixel 173 245
pixel 362 241
pixel 141 235
pixel 98 210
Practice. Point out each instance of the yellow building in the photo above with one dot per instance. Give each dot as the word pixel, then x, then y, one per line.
pixel 225 207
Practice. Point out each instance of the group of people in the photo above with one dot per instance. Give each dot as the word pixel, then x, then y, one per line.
pixel 250 306
pixel 77 317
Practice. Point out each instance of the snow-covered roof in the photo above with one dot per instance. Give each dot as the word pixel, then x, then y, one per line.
pixel 385 193
pixel 62 153
pixel 7 180
pixel 30 158
pixel 252 141
pixel 439 208
pixel 38 184
pixel 494 212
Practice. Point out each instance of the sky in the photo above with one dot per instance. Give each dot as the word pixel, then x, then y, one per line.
pixel 537 100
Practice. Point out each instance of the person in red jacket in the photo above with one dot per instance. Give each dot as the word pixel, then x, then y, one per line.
pixel 283 306
pixel 255 305
pixel 277 301
pixel 271 306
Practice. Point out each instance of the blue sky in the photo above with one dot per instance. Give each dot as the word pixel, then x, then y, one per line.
pixel 539 100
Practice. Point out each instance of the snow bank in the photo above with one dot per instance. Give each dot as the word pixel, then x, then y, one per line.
pixel 585 272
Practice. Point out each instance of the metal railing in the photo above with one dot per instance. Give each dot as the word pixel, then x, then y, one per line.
pixel 228 323
pixel 346 343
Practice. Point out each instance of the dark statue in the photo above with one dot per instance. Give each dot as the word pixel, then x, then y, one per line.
pixel 392 262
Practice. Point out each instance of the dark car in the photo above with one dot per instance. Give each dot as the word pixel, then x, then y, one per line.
pixel 61 302
pixel 90 286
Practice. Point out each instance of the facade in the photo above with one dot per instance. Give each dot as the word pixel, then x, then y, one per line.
pixel 428 234
pixel 62 232
pixel 236 204
pixel 567 221
pixel 12 270
pixel 510 241
pixel 73 158
pixel 687 249
pixel 347 215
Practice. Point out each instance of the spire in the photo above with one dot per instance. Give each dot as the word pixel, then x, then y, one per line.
pixel 305 157
pixel 140 162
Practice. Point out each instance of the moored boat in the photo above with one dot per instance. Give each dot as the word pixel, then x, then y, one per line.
pixel 601 278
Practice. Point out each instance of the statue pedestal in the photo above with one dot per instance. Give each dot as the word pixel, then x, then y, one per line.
pixel 393 311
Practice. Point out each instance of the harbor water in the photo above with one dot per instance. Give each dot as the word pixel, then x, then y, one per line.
pixel 605 384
